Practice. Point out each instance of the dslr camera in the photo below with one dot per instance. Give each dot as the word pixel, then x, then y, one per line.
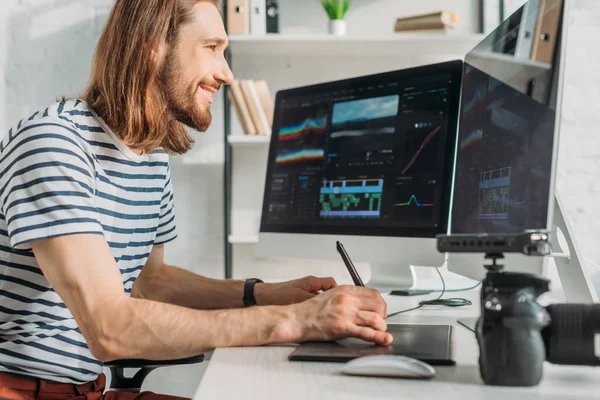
pixel 515 334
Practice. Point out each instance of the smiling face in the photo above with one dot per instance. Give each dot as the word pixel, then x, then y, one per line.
pixel 195 68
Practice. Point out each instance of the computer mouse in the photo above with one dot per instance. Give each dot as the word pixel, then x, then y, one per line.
pixel 387 365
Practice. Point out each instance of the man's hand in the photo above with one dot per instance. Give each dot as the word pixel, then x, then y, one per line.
pixel 291 292
pixel 346 311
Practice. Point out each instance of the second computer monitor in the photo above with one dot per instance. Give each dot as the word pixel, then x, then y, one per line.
pixel 367 161
pixel 508 138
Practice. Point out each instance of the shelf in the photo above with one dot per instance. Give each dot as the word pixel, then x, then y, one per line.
pixel 510 60
pixel 518 73
pixel 240 239
pixel 400 44
pixel 248 140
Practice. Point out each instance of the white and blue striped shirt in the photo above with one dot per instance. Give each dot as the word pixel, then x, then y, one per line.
pixel 63 171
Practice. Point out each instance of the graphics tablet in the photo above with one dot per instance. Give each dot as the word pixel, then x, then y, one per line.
pixel 429 343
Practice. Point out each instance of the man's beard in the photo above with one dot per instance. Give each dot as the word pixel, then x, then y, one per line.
pixel 180 99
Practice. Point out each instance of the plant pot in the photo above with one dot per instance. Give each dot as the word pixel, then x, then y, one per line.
pixel 337 27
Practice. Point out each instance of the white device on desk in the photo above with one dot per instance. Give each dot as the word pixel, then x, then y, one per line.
pixel 507 148
pixel 366 161
pixel 389 366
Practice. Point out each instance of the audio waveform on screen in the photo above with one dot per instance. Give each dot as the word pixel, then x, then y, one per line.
pixel 416 155
pixel 310 125
pixel 413 200
pixel 300 156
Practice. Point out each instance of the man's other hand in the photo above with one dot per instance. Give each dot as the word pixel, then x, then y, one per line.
pixel 291 292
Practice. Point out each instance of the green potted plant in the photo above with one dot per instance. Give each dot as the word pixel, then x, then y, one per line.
pixel 336 10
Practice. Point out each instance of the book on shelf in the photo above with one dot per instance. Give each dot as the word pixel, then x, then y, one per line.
pixel 441 21
pixel 254 105
pixel 264 93
pixel 239 103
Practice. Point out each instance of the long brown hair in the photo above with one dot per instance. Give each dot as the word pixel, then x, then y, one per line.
pixel 123 88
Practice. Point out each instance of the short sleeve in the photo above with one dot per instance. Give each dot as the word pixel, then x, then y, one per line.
pixel 167 230
pixel 47 185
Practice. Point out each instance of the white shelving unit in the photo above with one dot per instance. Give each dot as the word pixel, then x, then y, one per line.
pixel 239 140
pixel 243 239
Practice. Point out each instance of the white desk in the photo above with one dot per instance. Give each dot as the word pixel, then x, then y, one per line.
pixel 264 373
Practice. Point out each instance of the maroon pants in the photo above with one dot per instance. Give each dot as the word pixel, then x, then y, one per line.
pixel 17 387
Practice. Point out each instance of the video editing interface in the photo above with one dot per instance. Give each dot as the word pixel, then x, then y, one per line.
pixel 504 159
pixel 363 156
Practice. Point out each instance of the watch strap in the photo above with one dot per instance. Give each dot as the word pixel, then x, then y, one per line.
pixel 249 299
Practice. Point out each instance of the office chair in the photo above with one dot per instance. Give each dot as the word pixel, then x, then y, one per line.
pixel 121 383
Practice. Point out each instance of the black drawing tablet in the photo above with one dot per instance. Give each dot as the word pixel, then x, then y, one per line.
pixel 429 343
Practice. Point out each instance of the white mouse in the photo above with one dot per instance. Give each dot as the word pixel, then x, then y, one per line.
pixel 389 366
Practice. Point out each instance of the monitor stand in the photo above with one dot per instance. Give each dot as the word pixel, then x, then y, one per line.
pixel 388 277
pixel 570 264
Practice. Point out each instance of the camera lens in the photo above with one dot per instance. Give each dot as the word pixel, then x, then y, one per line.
pixel 573 336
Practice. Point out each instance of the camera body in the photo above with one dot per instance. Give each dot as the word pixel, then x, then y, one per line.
pixel 515 334
pixel 509 330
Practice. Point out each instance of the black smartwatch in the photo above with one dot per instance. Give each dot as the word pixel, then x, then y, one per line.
pixel 249 299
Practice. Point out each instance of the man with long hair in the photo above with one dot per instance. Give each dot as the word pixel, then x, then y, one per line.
pixel 86 206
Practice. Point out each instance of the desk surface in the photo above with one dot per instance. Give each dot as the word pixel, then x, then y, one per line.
pixel 265 373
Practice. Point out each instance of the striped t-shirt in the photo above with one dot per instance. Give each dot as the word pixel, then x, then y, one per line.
pixel 63 171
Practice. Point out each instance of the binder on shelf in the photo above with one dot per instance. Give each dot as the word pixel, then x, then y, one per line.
pixel 272 13
pixel 258 17
pixel 531 13
pixel 266 99
pixel 252 107
pixel 238 17
pixel 265 126
pixel 237 99
pixel 544 42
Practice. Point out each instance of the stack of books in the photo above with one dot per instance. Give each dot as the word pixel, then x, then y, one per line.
pixel 254 105
pixel 441 21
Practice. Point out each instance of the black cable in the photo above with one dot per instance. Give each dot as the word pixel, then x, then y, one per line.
pixel 460 290
pixel 451 302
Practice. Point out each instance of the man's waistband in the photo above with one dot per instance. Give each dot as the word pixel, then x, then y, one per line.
pixel 29 383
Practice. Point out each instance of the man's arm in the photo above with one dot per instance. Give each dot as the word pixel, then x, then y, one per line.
pixel 168 284
pixel 82 271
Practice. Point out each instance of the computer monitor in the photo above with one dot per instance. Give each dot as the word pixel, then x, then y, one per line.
pixel 366 161
pixel 507 146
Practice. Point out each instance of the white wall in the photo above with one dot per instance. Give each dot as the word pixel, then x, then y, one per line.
pixel 45 53
pixel 578 181
pixel 372 17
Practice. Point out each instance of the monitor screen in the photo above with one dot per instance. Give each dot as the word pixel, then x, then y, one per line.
pixel 365 156
pixel 506 146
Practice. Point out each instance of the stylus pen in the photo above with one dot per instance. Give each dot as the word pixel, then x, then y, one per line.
pixel 349 265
